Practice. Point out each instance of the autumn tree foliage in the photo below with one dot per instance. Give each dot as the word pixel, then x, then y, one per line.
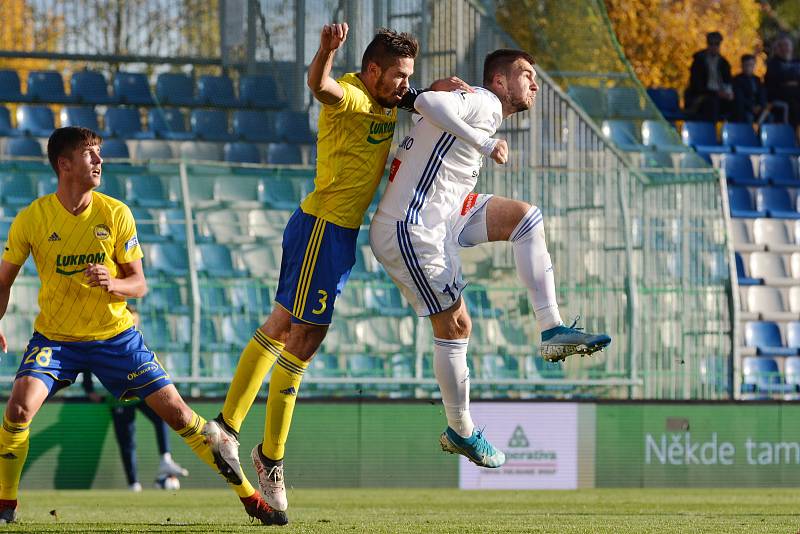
pixel 25 30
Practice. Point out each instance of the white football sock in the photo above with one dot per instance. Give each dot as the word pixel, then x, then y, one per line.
pixel 535 268
pixel 452 374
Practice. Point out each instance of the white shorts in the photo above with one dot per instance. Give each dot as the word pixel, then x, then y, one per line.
pixel 424 262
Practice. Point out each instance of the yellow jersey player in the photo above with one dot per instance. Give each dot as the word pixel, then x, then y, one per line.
pixel 359 111
pixel 89 261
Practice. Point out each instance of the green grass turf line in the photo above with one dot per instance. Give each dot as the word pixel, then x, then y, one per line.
pixel 421 511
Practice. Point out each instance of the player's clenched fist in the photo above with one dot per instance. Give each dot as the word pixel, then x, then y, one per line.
pixel 500 152
pixel 333 35
pixel 97 275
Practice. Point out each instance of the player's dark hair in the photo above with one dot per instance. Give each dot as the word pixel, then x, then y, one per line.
pixel 386 47
pixel 67 139
pixel 500 61
pixel 748 57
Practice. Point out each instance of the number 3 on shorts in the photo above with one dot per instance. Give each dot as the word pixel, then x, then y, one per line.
pixel 323 302
pixel 39 355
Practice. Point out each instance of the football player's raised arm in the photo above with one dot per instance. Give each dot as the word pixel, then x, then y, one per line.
pixel 447 111
pixel 322 85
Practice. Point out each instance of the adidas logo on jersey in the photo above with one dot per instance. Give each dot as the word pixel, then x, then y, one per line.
pixel 54 237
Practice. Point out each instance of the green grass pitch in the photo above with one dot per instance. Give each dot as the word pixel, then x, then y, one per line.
pixel 420 511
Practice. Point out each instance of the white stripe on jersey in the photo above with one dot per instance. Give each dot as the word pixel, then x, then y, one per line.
pixel 433 170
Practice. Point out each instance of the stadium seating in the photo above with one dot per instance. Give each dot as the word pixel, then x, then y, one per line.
pixel 384 300
pixel 17 189
pixel 292 127
pixel 742 139
pixel 251 296
pixel 166 259
pixel 284 154
pixel 216 91
pixel 23 147
pixel 239 192
pixel 778 169
pixel 46 86
pixel 780 138
pixel 10 87
pixel 768 303
pixel 147 226
pixel 773 235
pixel 623 134
pixel 255 126
pixel 262 261
pixel 113 186
pixel 741 203
pixel 125 123
pixel 79 116
pixel 777 202
pixel 741 274
pixel 279 193
pixel 172 223
pixel 201 151
pixel 215 260
pixel 667 101
pixel 766 338
pixel 259 91
pixel 661 136
pixel 657 160
pixel 211 125
pixel 132 88
pixel 625 103
pixel 168 123
pixel 6 128
pixel 114 149
pixel 591 99
pixel 242 152
pixel 148 150
pixel 35 120
pixel 174 89
pixel 761 377
pixel 702 136
pixel 738 170
pixel 147 191
pixel 90 87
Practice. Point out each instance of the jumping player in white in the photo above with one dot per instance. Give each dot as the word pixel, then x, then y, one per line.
pixel 429 211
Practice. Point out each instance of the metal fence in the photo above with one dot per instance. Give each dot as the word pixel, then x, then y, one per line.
pixel 638 253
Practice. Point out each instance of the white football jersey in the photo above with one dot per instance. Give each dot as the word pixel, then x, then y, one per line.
pixel 433 171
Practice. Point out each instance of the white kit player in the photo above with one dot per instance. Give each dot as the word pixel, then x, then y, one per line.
pixel 429 212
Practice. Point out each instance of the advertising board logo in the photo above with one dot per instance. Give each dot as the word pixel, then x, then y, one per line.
pixel 518 439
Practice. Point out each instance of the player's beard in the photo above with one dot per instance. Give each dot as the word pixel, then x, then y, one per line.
pixel 381 96
pixel 518 104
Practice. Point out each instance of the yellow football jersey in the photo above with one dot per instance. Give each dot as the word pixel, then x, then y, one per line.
pixel 355 135
pixel 63 245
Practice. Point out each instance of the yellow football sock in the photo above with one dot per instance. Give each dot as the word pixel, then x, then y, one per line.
pixel 193 437
pixel 254 364
pixel 14 441
pixel 283 387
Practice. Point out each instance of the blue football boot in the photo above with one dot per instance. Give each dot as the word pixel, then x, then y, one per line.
pixel 475 448
pixel 563 341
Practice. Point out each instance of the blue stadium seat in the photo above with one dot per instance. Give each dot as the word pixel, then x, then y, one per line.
pixel 168 123
pixel 661 136
pixel 741 203
pixel 242 152
pixel 35 120
pixel 738 170
pixel 325 365
pixel 262 261
pixel 112 185
pixel 478 304
pixel 10 87
pixel 591 99
pixel 216 91
pixel 625 103
pixel 147 226
pixel 163 297
pixel 213 298
pixel 211 125
pixel 17 189
pixel 173 225
pixel 384 300
pixel 215 260
pixel 46 86
pixel 694 160
pixel 791 373
pixel 167 258
pixel 657 160
pixel 150 150
pixel 114 149
pixel 6 128
pixel 79 116
pixel 777 202
pixel 132 88
pixel 251 296
pixel 255 126
pixel 284 154
pixel 238 330
pixel 766 337
pixel 292 127
pixel 364 365
pixel 260 91
pixel 498 367
pixel 279 193
pixel 201 151
pixel 45 184
pixel 741 274
pixel 780 138
pixel 778 169
pixel 147 191
pixel 238 192
pixel 24 147
pixel 174 89
pixel 702 136
pixel 793 334
pixel 125 123
pixel 762 377
pixel 623 134
pixel 741 137
pixel 90 87
pixel 7 214
pixel 667 101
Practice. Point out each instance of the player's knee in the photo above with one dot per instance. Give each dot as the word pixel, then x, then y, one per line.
pixel 461 327
pixel 18 412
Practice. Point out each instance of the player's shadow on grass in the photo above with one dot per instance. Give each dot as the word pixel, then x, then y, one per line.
pixel 79 431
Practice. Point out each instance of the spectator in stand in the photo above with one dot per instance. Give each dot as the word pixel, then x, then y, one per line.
pixel 710 95
pixel 750 96
pixel 783 78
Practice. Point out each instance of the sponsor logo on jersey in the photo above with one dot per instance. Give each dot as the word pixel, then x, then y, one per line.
pixel 145 368
pixel 395 167
pixel 78 261
pixel 132 242
pixel 54 237
pixel 380 132
pixel 102 232
pixel 469 203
